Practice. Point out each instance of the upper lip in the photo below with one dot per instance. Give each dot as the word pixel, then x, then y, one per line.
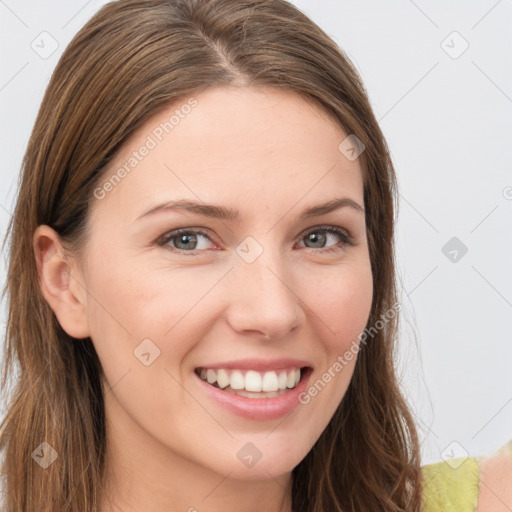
pixel 259 364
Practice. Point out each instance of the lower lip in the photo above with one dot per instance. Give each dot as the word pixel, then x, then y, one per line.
pixel 257 408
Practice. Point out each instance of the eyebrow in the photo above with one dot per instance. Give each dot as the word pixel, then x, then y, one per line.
pixel 223 213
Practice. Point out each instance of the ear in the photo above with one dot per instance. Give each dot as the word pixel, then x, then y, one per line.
pixel 61 283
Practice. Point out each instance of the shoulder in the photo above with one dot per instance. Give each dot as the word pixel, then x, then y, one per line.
pixel 451 486
pixel 496 481
pixel 482 484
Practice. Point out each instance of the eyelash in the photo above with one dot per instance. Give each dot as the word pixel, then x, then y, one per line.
pixel 346 239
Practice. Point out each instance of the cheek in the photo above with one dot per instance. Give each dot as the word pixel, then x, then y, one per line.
pixel 342 302
pixel 342 308
pixel 134 302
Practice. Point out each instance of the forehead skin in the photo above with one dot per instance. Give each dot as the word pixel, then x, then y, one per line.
pixel 267 150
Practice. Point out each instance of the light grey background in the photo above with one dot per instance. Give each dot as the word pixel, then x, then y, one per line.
pixel 446 111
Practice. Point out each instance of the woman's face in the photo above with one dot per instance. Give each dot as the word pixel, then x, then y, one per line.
pixel 253 289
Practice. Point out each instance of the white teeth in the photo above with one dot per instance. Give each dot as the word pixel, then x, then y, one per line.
pixel 282 380
pixel 270 382
pixel 253 381
pixel 222 379
pixel 211 376
pixel 290 381
pixel 237 380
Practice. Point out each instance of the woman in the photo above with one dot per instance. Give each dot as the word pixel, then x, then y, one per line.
pixel 181 344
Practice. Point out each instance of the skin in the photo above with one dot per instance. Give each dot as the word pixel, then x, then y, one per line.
pixel 271 155
pixel 495 487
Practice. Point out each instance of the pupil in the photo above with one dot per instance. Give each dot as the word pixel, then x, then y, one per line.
pixel 314 236
pixel 186 240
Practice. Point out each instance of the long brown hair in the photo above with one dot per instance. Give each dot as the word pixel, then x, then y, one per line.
pixel 131 60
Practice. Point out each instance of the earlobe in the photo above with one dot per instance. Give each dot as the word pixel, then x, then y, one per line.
pixel 60 283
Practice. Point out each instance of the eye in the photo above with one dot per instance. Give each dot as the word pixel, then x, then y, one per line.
pixel 320 235
pixel 187 240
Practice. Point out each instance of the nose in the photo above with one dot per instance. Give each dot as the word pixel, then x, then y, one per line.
pixel 263 298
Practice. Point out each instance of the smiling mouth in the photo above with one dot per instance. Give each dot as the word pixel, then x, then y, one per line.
pixel 251 383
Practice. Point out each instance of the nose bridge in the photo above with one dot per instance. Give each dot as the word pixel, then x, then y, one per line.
pixel 265 300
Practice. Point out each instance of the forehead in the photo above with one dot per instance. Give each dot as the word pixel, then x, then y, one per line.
pixel 229 143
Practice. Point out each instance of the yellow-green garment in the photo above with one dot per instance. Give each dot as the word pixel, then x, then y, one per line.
pixel 453 485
